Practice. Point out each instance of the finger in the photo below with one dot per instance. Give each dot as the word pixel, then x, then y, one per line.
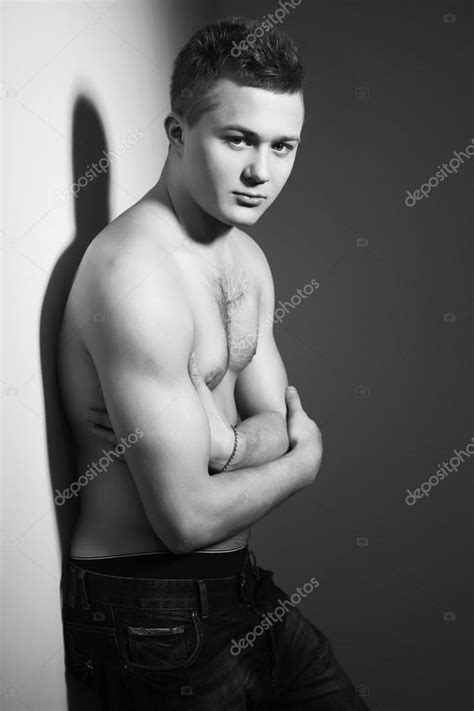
pixel 105 433
pixel 193 366
pixel 292 398
pixel 100 417
pixel 196 376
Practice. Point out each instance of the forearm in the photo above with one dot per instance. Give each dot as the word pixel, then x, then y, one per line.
pixel 233 501
pixel 261 438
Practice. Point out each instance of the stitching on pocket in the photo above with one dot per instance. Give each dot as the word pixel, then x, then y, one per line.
pixel 155 631
pixel 196 624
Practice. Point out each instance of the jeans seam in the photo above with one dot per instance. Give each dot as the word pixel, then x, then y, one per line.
pixel 270 645
pixel 119 655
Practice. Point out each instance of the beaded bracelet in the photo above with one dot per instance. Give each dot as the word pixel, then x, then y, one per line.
pixel 234 427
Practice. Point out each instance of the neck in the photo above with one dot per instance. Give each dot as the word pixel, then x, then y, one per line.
pixel 198 225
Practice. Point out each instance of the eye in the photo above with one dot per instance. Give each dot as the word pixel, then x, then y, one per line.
pixel 285 145
pixel 234 140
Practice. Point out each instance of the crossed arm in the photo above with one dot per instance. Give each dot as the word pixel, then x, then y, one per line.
pixel 260 387
pixel 262 435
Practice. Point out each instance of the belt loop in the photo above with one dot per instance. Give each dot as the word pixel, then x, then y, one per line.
pixel 253 565
pixel 82 588
pixel 242 580
pixel 203 601
pixel 71 587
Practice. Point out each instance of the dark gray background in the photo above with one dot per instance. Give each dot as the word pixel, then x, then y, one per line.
pixel 377 321
pixel 388 573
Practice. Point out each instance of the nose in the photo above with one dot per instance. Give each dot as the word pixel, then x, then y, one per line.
pixel 257 171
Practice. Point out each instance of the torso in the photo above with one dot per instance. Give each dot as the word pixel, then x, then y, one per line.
pixel 223 297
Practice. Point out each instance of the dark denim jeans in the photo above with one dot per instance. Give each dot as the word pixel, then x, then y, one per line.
pixel 226 644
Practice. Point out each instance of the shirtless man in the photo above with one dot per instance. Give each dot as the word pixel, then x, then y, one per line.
pixel 168 332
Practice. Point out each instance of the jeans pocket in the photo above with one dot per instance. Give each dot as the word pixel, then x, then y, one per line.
pixel 157 641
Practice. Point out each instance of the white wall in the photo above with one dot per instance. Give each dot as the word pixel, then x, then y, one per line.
pixel 77 78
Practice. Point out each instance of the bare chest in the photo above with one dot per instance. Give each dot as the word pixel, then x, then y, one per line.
pixel 225 304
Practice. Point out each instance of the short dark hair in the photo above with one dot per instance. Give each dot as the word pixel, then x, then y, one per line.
pixel 270 62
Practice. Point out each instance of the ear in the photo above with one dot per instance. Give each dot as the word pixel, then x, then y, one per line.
pixel 174 127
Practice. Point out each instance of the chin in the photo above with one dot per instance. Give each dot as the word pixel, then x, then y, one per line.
pixel 248 222
pixel 242 216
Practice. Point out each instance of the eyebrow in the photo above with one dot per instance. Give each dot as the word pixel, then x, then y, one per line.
pixel 255 136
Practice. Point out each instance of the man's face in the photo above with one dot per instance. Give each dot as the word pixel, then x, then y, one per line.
pixel 219 161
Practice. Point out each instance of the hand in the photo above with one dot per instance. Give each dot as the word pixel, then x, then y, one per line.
pixel 102 426
pixel 222 434
pixel 305 438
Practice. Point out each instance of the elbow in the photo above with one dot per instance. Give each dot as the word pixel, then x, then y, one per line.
pixel 182 545
pixel 177 538
pixel 187 527
pixel 188 538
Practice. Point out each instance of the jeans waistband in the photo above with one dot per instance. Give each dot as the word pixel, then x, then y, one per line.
pixel 84 586
pixel 193 565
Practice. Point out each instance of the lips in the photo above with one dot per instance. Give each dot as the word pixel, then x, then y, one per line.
pixel 244 199
pixel 250 195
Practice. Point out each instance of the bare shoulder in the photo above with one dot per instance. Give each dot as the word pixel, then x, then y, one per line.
pixel 128 270
pixel 131 238
pixel 138 240
pixel 254 255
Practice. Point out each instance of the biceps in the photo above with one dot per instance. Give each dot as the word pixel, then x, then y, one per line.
pixel 168 412
pixel 261 385
pixel 169 462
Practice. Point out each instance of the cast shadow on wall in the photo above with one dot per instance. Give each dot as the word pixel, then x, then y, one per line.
pixel 91 215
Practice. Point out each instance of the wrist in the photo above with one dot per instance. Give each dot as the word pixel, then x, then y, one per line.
pixel 239 456
pixel 298 470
